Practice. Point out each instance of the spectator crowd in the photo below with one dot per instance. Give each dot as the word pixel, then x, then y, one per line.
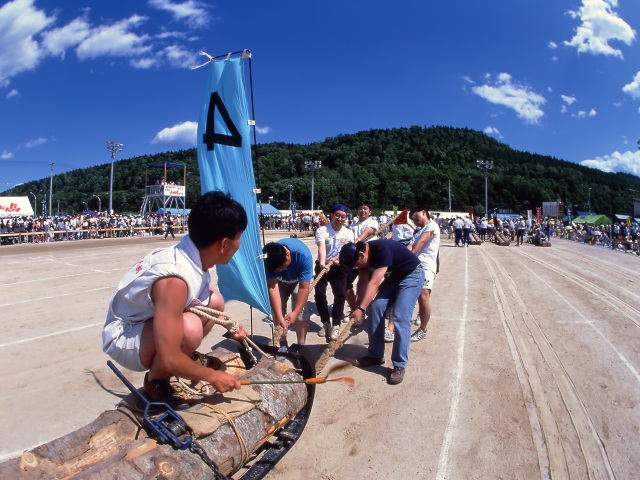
pixel 45 229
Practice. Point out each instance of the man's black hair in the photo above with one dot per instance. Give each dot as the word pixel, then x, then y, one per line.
pixel 215 216
pixel 365 203
pixel 349 253
pixel 276 255
pixel 419 208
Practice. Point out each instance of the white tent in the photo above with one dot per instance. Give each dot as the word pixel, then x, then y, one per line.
pixel 15 207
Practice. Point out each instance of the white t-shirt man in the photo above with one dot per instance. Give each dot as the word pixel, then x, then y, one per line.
pixel 333 240
pixel 360 227
pixel 429 253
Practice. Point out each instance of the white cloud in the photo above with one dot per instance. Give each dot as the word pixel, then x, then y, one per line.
pixel 583 114
pixel 59 40
pixel 263 130
pixel 600 25
pixel 552 45
pixel 489 130
pixel 115 40
pixel 520 98
pixel 36 142
pixel 191 12
pixel 179 57
pixel 633 89
pixel 181 133
pixel 20 21
pixel 22 25
pixel 13 93
pixel 568 100
pixel 6 155
pixel 627 162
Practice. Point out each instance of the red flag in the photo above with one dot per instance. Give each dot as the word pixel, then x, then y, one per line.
pixel 402 218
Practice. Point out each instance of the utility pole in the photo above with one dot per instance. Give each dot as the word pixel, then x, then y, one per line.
pixel 99 203
pixel 313 165
pixel 450 197
pixel 589 201
pixel 485 165
pixel 35 205
pixel 114 148
pixel 290 187
pixel 51 185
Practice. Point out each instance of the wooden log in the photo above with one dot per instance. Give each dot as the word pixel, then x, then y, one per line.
pixel 307 233
pixel 502 240
pixel 474 239
pixel 116 446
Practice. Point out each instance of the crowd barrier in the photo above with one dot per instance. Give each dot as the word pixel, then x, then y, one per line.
pixel 93 233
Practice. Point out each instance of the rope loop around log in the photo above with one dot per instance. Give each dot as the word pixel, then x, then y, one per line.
pixel 243 445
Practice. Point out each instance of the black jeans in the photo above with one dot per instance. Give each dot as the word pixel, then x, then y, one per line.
pixel 337 278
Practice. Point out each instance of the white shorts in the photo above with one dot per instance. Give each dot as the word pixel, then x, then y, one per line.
pixel 429 279
pixel 121 341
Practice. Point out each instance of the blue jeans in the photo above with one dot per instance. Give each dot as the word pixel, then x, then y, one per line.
pixel 402 296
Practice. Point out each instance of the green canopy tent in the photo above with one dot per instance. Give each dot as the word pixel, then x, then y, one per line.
pixel 593 219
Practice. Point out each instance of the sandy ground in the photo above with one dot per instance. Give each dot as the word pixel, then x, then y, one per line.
pixel 530 370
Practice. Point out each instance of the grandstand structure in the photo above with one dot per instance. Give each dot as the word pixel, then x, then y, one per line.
pixel 163 193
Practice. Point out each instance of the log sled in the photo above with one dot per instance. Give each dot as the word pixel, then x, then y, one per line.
pixel 502 239
pixel 474 239
pixel 243 433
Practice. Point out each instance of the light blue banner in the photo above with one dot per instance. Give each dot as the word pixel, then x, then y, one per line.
pixel 224 158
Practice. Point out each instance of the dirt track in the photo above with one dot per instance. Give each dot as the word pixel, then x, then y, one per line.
pixel 530 370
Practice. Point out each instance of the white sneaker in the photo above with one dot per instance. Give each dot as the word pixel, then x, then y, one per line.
pixel 418 335
pixel 416 321
pixel 324 329
pixel 335 333
pixel 269 321
pixel 389 336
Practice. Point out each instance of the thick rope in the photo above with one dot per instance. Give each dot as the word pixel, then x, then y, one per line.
pixel 243 445
pixel 322 273
pixel 333 346
pixel 231 325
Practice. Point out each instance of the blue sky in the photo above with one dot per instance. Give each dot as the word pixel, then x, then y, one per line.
pixel 559 78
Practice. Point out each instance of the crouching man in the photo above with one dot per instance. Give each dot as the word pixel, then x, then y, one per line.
pixel 390 276
pixel 289 266
pixel 147 327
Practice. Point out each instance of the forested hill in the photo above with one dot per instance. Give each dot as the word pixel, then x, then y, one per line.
pixel 394 167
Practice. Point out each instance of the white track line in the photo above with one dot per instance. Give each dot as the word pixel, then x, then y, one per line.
pixel 48 279
pixel 591 324
pixel 39 299
pixel 457 380
pixel 61 332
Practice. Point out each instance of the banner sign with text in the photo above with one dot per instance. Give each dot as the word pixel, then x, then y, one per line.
pixel 224 158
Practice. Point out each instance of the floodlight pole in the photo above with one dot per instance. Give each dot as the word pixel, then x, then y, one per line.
pixel 99 203
pixel 313 165
pixel 290 187
pixel 35 205
pixel 51 185
pixel 114 148
pixel 485 165
pixel 589 201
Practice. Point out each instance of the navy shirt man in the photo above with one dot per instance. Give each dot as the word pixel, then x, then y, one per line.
pixel 390 276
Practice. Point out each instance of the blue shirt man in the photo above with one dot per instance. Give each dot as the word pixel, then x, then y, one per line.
pixel 289 266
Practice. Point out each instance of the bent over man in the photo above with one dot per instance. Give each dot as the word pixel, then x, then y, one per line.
pixel 147 327
pixel 289 266
pixel 390 277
